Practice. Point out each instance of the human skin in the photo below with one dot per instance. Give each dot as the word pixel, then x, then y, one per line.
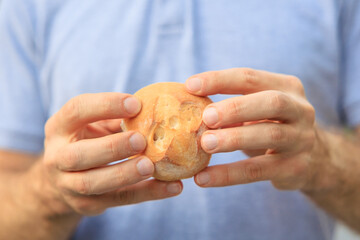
pixel 292 152
pixel 44 197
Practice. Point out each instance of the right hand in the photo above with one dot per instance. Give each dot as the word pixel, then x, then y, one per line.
pixel 82 139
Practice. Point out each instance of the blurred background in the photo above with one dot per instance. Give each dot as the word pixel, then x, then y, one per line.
pixel 341 232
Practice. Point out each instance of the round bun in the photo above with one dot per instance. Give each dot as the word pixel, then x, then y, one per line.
pixel 170 120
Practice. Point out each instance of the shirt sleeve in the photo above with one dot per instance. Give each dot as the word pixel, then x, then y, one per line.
pixel 350 40
pixel 22 115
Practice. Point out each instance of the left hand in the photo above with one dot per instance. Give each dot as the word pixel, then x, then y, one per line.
pixel 272 118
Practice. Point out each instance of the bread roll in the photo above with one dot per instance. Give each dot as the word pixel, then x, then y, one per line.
pixel 171 121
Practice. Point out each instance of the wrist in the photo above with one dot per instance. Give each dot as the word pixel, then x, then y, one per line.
pixel 323 176
pixel 44 205
pixel 49 199
pixel 318 180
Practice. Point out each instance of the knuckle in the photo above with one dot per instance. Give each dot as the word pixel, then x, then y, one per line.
pixel 278 102
pixel 310 113
pixel 87 207
pixel 124 197
pixel 235 108
pixel 121 176
pixel 253 172
pixel 82 185
pixel 70 159
pixel 229 177
pixel 212 80
pixel 249 76
pixel 71 109
pixel 49 128
pixel 276 134
pixel 296 84
pixel 237 140
pixel 112 146
pixel 107 104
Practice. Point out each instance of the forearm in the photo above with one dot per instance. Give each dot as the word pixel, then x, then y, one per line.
pixel 27 211
pixel 335 182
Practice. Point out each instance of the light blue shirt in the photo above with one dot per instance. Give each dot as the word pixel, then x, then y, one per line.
pixel 52 50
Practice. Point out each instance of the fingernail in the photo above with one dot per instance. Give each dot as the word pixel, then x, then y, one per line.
pixel 145 167
pixel 210 116
pixel 193 84
pixel 173 188
pixel 202 178
pixel 132 105
pixel 209 141
pixel 137 142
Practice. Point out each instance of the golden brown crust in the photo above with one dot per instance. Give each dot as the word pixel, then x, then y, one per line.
pixel 171 121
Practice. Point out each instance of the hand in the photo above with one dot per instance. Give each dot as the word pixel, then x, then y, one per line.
pixel 273 120
pixel 83 140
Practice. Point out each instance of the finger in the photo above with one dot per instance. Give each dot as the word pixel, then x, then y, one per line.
pixel 273 105
pixel 143 191
pixel 88 108
pixel 260 168
pixel 241 81
pixel 112 125
pixel 109 125
pixel 102 128
pixel 139 192
pixel 106 179
pixel 287 173
pixel 281 137
pixel 254 153
pixel 239 124
pixel 92 153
